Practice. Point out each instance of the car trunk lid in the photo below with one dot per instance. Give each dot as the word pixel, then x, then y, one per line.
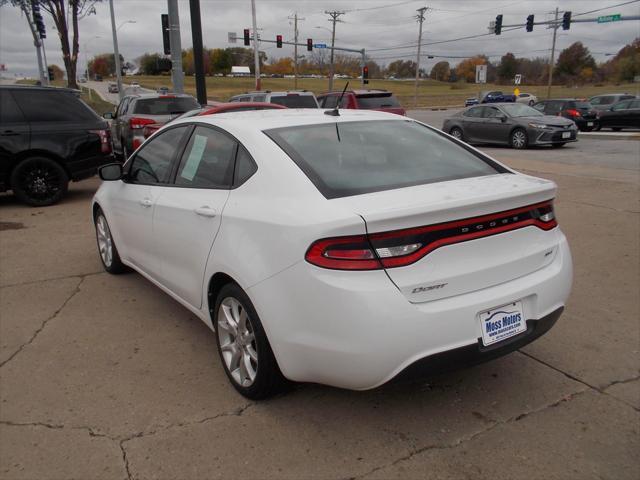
pixel 476 232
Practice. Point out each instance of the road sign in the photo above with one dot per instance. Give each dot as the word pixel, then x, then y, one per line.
pixel 319 45
pixel 517 79
pixel 481 74
pixel 232 37
pixel 516 91
pixel 616 17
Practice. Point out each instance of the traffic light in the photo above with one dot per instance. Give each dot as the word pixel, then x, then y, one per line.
pixel 37 19
pixel 166 44
pixel 278 41
pixel 497 29
pixel 530 23
pixel 247 41
pixel 309 44
pixel 365 74
pixel 50 73
pixel 566 20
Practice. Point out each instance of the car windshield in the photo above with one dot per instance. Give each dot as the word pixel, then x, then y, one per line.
pixel 352 158
pixel 169 105
pixel 295 101
pixel 377 101
pixel 603 100
pixel 520 110
pixel 583 105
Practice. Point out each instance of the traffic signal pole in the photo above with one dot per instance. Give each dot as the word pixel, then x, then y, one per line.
pixel 198 63
pixel 555 26
pixel 256 48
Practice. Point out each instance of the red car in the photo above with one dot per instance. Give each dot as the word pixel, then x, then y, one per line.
pixel 217 108
pixel 363 99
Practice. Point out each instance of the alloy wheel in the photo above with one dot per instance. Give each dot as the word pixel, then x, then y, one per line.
pixel 105 242
pixel 40 181
pixel 237 342
pixel 456 133
pixel 519 139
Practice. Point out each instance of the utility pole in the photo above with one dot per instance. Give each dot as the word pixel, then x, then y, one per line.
pixel 116 52
pixel 177 76
pixel 334 18
pixel 420 18
pixel 196 34
pixel 256 47
pixel 46 65
pixel 295 49
pixel 553 53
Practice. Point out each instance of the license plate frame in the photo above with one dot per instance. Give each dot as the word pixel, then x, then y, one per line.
pixel 501 323
pixel 566 135
pixel 589 124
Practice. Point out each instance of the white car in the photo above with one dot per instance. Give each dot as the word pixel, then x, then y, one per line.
pixel 527 98
pixel 340 250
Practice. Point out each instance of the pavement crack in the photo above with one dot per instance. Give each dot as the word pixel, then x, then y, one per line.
pixel 467 438
pixel 42 280
pixel 125 459
pixel 45 322
pixel 54 426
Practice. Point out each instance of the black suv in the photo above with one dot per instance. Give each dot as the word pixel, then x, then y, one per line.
pixel 582 113
pixel 48 136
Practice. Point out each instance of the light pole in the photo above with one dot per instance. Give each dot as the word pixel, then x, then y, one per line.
pixel 116 52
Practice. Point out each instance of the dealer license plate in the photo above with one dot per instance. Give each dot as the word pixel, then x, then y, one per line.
pixel 566 134
pixel 502 322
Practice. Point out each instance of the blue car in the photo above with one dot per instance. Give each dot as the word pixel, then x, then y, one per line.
pixel 497 97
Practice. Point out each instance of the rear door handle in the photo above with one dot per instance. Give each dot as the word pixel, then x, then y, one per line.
pixel 146 202
pixel 205 211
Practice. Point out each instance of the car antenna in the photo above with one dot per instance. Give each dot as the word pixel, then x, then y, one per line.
pixel 334 112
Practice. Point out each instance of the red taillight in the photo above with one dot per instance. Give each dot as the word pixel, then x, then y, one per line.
pixel 150 130
pixel 137 122
pixel 572 112
pixel 105 139
pixel 136 142
pixel 404 247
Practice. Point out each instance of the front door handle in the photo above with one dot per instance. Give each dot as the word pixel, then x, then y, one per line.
pixel 205 211
pixel 146 202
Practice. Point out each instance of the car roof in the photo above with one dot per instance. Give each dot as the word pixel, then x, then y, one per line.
pixel 259 120
pixel 224 105
pixel 38 87
pixel 142 96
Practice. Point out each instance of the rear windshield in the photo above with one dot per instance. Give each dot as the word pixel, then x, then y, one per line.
pixel 165 106
pixel 377 101
pixel 352 158
pixel 295 101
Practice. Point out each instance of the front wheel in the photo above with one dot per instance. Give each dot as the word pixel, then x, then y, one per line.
pixel 456 133
pixel 519 139
pixel 243 346
pixel 39 181
pixel 107 247
pixel 531 102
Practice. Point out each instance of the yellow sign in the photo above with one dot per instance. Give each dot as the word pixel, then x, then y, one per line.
pixel 516 91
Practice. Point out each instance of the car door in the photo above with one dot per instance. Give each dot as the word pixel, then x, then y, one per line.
pixel 493 129
pixel 14 135
pixel 134 199
pixel 189 212
pixel 472 124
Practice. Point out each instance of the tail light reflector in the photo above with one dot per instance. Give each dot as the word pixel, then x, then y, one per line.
pixel 572 112
pixel 105 139
pixel 137 122
pixel 399 248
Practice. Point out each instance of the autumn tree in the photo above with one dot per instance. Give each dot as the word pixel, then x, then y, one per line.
pixel 441 71
pixel 281 66
pixel 466 69
pixel 402 69
pixel 58 73
pixel 625 65
pixel 572 61
pixel 104 64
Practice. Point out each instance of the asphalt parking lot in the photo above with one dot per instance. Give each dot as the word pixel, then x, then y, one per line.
pixel 106 377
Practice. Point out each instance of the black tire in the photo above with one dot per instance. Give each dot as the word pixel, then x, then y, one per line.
pixel 457 133
pixel 531 102
pixel 268 379
pixel 558 145
pixel 515 139
pixel 39 181
pixel 113 265
pixel 598 127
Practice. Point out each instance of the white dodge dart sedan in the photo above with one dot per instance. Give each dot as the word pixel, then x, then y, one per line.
pixel 337 249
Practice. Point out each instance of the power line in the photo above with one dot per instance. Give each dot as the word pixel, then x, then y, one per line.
pixel 380 6
pixel 606 8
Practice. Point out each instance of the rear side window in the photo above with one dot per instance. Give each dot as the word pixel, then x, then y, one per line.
pixel 9 111
pixel 245 167
pixel 377 101
pixel 607 100
pixel 295 101
pixel 52 106
pixel 475 112
pixel 207 162
pixel 165 106
pixel 152 163
pixel 352 158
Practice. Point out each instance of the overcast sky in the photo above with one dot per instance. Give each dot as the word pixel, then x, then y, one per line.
pixel 369 24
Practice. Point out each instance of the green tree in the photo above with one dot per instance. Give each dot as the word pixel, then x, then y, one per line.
pixel 508 68
pixel 441 71
pixel 402 69
pixel 221 61
pixel 572 61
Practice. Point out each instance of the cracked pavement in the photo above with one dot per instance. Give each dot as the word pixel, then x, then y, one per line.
pixel 106 377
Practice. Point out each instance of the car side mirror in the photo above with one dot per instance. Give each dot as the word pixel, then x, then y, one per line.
pixel 111 172
pixel 108 115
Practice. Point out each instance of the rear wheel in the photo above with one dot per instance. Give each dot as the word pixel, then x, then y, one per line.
pixel 456 133
pixel 531 102
pixel 519 138
pixel 39 181
pixel 243 346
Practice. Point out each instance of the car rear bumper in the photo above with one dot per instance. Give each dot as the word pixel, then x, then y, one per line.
pixel 356 330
